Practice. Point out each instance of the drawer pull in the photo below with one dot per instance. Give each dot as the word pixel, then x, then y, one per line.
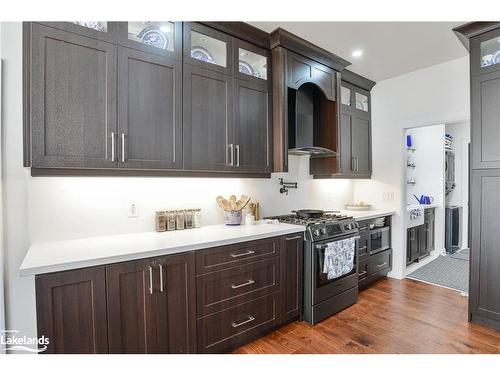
pixel 237 255
pixel 293 238
pixel 380 265
pixel 363 248
pixel 362 274
pixel 249 282
pixel 249 319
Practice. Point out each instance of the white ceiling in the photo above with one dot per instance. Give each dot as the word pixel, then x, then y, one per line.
pixel 389 48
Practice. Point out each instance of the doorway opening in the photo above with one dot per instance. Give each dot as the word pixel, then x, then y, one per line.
pixel 436 187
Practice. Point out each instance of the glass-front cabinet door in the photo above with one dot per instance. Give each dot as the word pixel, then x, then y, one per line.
pixel 158 37
pixel 251 63
pixel 345 95
pixel 207 48
pixel 485 51
pixel 101 30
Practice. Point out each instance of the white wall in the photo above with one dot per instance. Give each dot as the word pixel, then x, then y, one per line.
pixel 48 209
pixel 460 195
pixel 435 95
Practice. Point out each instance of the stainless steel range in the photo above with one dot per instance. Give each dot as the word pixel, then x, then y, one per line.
pixel 324 296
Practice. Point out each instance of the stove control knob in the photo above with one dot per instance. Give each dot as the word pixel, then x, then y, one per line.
pixel 316 233
pixel 323 231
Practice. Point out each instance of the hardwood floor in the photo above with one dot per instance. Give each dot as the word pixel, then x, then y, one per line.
pixel 392 316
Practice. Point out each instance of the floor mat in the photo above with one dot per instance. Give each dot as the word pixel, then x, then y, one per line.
pixel 462 254
pixel 445 271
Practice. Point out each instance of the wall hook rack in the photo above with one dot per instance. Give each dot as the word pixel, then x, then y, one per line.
pixel 287 185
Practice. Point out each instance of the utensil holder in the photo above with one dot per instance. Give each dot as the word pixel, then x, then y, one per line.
pixel 232 217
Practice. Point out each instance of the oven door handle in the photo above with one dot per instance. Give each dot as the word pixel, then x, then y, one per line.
pixel 324 246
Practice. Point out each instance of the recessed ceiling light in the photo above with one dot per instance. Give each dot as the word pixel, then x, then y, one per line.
pixel 357 53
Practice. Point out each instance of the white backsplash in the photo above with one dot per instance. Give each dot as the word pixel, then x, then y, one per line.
pixel 66 208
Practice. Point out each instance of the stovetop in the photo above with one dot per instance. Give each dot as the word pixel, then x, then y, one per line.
pixel 323 219
pixel 324 227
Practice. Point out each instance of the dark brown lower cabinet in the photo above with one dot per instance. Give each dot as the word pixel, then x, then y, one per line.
pixel 484 300
pixel 292 250
pixel 150 305
pixel 71 311
pixel 374 252
pixel 420 239
pixel 207 301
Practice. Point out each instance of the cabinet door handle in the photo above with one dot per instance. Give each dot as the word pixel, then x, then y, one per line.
pixel 150 280
pixel 161 277
pixel 357 164
pixel 237 255
pixel 113 152
pixel 353 164
pixel 249 319
pixel 237 155
pixel 123 147
pixel 380 265
pixel 248 282
pixel 231 154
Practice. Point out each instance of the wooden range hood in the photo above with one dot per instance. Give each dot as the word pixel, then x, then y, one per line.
pixel 295 63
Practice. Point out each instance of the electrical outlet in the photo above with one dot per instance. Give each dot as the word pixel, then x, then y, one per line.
pixel 388 196
pixel 132 210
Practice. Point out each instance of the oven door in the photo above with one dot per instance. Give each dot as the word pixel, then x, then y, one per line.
pixel 324 288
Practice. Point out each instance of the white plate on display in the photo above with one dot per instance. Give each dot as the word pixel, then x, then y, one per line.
pixel 357 208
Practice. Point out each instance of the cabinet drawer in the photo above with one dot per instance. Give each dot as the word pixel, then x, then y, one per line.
pixel 221 258
pixel 380 262
pixel 224 289
pixel 231 328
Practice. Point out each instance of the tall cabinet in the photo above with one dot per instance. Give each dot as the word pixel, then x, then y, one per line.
pixel 482 38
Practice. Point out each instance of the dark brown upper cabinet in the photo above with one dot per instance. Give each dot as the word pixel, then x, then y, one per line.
pixel 151 305
pixel 157 37
pixel 485 115
pixel 208 120
pixel 146 98
pixel 71 311
pixel 71 121
pixel 149 111
pixel 227 125
pixel 354 159
pixel 207 48
pixel 252 127
pixel 101 30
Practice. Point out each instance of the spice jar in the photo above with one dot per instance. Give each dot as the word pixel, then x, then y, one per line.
pixel 160 221
pixel 179 220
pixel 197 218
pixel 189 219
pixel 170 220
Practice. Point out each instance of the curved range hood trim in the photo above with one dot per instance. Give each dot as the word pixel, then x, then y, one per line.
pixel 314 152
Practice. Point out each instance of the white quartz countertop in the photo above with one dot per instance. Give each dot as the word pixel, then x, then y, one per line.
pixel 366 215
pixel 87 252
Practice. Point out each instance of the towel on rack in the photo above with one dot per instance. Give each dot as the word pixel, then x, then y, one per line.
pixel 339 258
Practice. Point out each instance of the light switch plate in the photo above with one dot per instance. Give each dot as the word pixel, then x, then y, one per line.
pixel 132 210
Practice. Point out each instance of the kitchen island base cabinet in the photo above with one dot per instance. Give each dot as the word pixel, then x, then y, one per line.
pixel 71 311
